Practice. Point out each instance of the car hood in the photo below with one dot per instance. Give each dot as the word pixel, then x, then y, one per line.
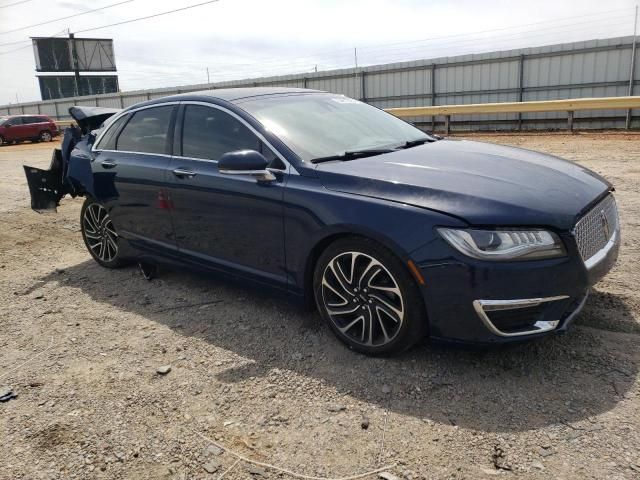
pixel 481 183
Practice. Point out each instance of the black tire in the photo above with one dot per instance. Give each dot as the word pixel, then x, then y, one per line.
pixel 99 234
pixel 3 142
pixel 45 136
pixel 378 289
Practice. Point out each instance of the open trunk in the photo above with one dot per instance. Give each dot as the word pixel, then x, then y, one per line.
pixel 47 187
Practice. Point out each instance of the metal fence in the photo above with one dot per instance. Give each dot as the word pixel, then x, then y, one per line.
pixel 594 68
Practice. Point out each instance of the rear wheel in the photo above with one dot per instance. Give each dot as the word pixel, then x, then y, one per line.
pixel 3 141
pixel 99 234
pixel 45 136
pixel 368 297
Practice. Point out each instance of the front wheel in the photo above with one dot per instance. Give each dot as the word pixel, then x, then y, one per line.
pixel 368 297
pixel 99 234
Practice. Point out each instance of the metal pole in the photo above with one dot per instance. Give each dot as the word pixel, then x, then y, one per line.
pixel 208 79
pixel 520 87
pixel 355 58
pixel 76 67
pixel 633 66
pixel 433 95
pixel 363 89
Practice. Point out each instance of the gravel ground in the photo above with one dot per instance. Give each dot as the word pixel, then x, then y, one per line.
pixel 80 346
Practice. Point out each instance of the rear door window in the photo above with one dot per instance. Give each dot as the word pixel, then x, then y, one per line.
pixel 147 131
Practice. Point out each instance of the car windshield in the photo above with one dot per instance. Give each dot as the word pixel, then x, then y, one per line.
pixel 322 125
pixel 3 120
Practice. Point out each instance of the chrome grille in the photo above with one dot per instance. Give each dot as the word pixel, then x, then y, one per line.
pixel 596 227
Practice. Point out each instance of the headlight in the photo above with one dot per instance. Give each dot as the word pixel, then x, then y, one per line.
pixel 504 244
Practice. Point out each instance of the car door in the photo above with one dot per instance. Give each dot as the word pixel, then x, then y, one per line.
pixel 16 129
pixel 130 176
pixel 228 222
pixel 36 125
pixel 33 125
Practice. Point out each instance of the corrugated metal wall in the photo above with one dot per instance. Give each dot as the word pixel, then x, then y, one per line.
pixel 595 68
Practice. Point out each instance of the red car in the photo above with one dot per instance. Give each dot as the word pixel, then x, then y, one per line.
pixel 16 128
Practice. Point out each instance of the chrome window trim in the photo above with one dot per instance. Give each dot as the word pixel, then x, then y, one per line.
pixel 288 167
pixel 135 153
pixel 482 306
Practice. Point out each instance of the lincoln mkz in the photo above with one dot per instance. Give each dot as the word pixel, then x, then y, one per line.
pixel 392 233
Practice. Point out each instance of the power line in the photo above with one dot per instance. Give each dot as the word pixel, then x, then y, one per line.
pixel 117 23
pixel 65 18
pixel 27 46
pixel 147 17
pixel 14 3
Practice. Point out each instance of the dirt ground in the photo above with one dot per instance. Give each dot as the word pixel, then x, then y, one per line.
pixel 80 346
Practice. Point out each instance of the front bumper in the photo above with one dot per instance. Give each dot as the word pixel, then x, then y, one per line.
pixel 490 302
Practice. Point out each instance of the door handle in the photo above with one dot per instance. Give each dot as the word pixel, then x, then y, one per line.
pixel 184 173
pixel 108 163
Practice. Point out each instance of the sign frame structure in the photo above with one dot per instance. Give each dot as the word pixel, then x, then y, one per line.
pixel 70 54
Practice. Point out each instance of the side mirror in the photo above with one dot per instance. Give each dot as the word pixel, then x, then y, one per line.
pixel 245 162
pixel 7 125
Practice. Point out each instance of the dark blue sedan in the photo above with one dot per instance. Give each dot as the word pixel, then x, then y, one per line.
pixel 392 233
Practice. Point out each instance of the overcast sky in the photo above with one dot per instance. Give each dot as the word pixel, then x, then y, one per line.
pixel 253 38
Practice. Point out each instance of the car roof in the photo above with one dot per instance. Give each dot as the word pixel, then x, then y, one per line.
pixel 230 95
pixel 233 94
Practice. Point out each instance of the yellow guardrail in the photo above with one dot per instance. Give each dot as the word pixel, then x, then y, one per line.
pixel 569 106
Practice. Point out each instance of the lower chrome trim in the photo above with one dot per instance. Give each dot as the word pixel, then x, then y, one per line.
pixel 602 253
pixel 483 306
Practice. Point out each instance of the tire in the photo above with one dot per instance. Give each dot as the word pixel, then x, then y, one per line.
pixel 368 297
pixel 45 136
pixel 3 141
pixel 99 234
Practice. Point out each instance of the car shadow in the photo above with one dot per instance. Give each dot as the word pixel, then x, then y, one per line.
pixel 559 379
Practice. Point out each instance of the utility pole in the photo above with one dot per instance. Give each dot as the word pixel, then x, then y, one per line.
pixel 355 58
pixel 633 66
pixel 208 80
pixel 76 66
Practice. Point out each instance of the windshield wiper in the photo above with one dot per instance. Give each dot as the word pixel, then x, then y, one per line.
pixel 415 143
pixel 350 155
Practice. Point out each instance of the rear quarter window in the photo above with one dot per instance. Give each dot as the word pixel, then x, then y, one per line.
pixel 108 140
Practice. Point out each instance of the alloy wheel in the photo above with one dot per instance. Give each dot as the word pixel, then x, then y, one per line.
pixel 362 299
pixel 100 234
pixel 45 136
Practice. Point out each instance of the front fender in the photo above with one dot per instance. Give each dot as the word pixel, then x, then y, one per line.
pixel 313 215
